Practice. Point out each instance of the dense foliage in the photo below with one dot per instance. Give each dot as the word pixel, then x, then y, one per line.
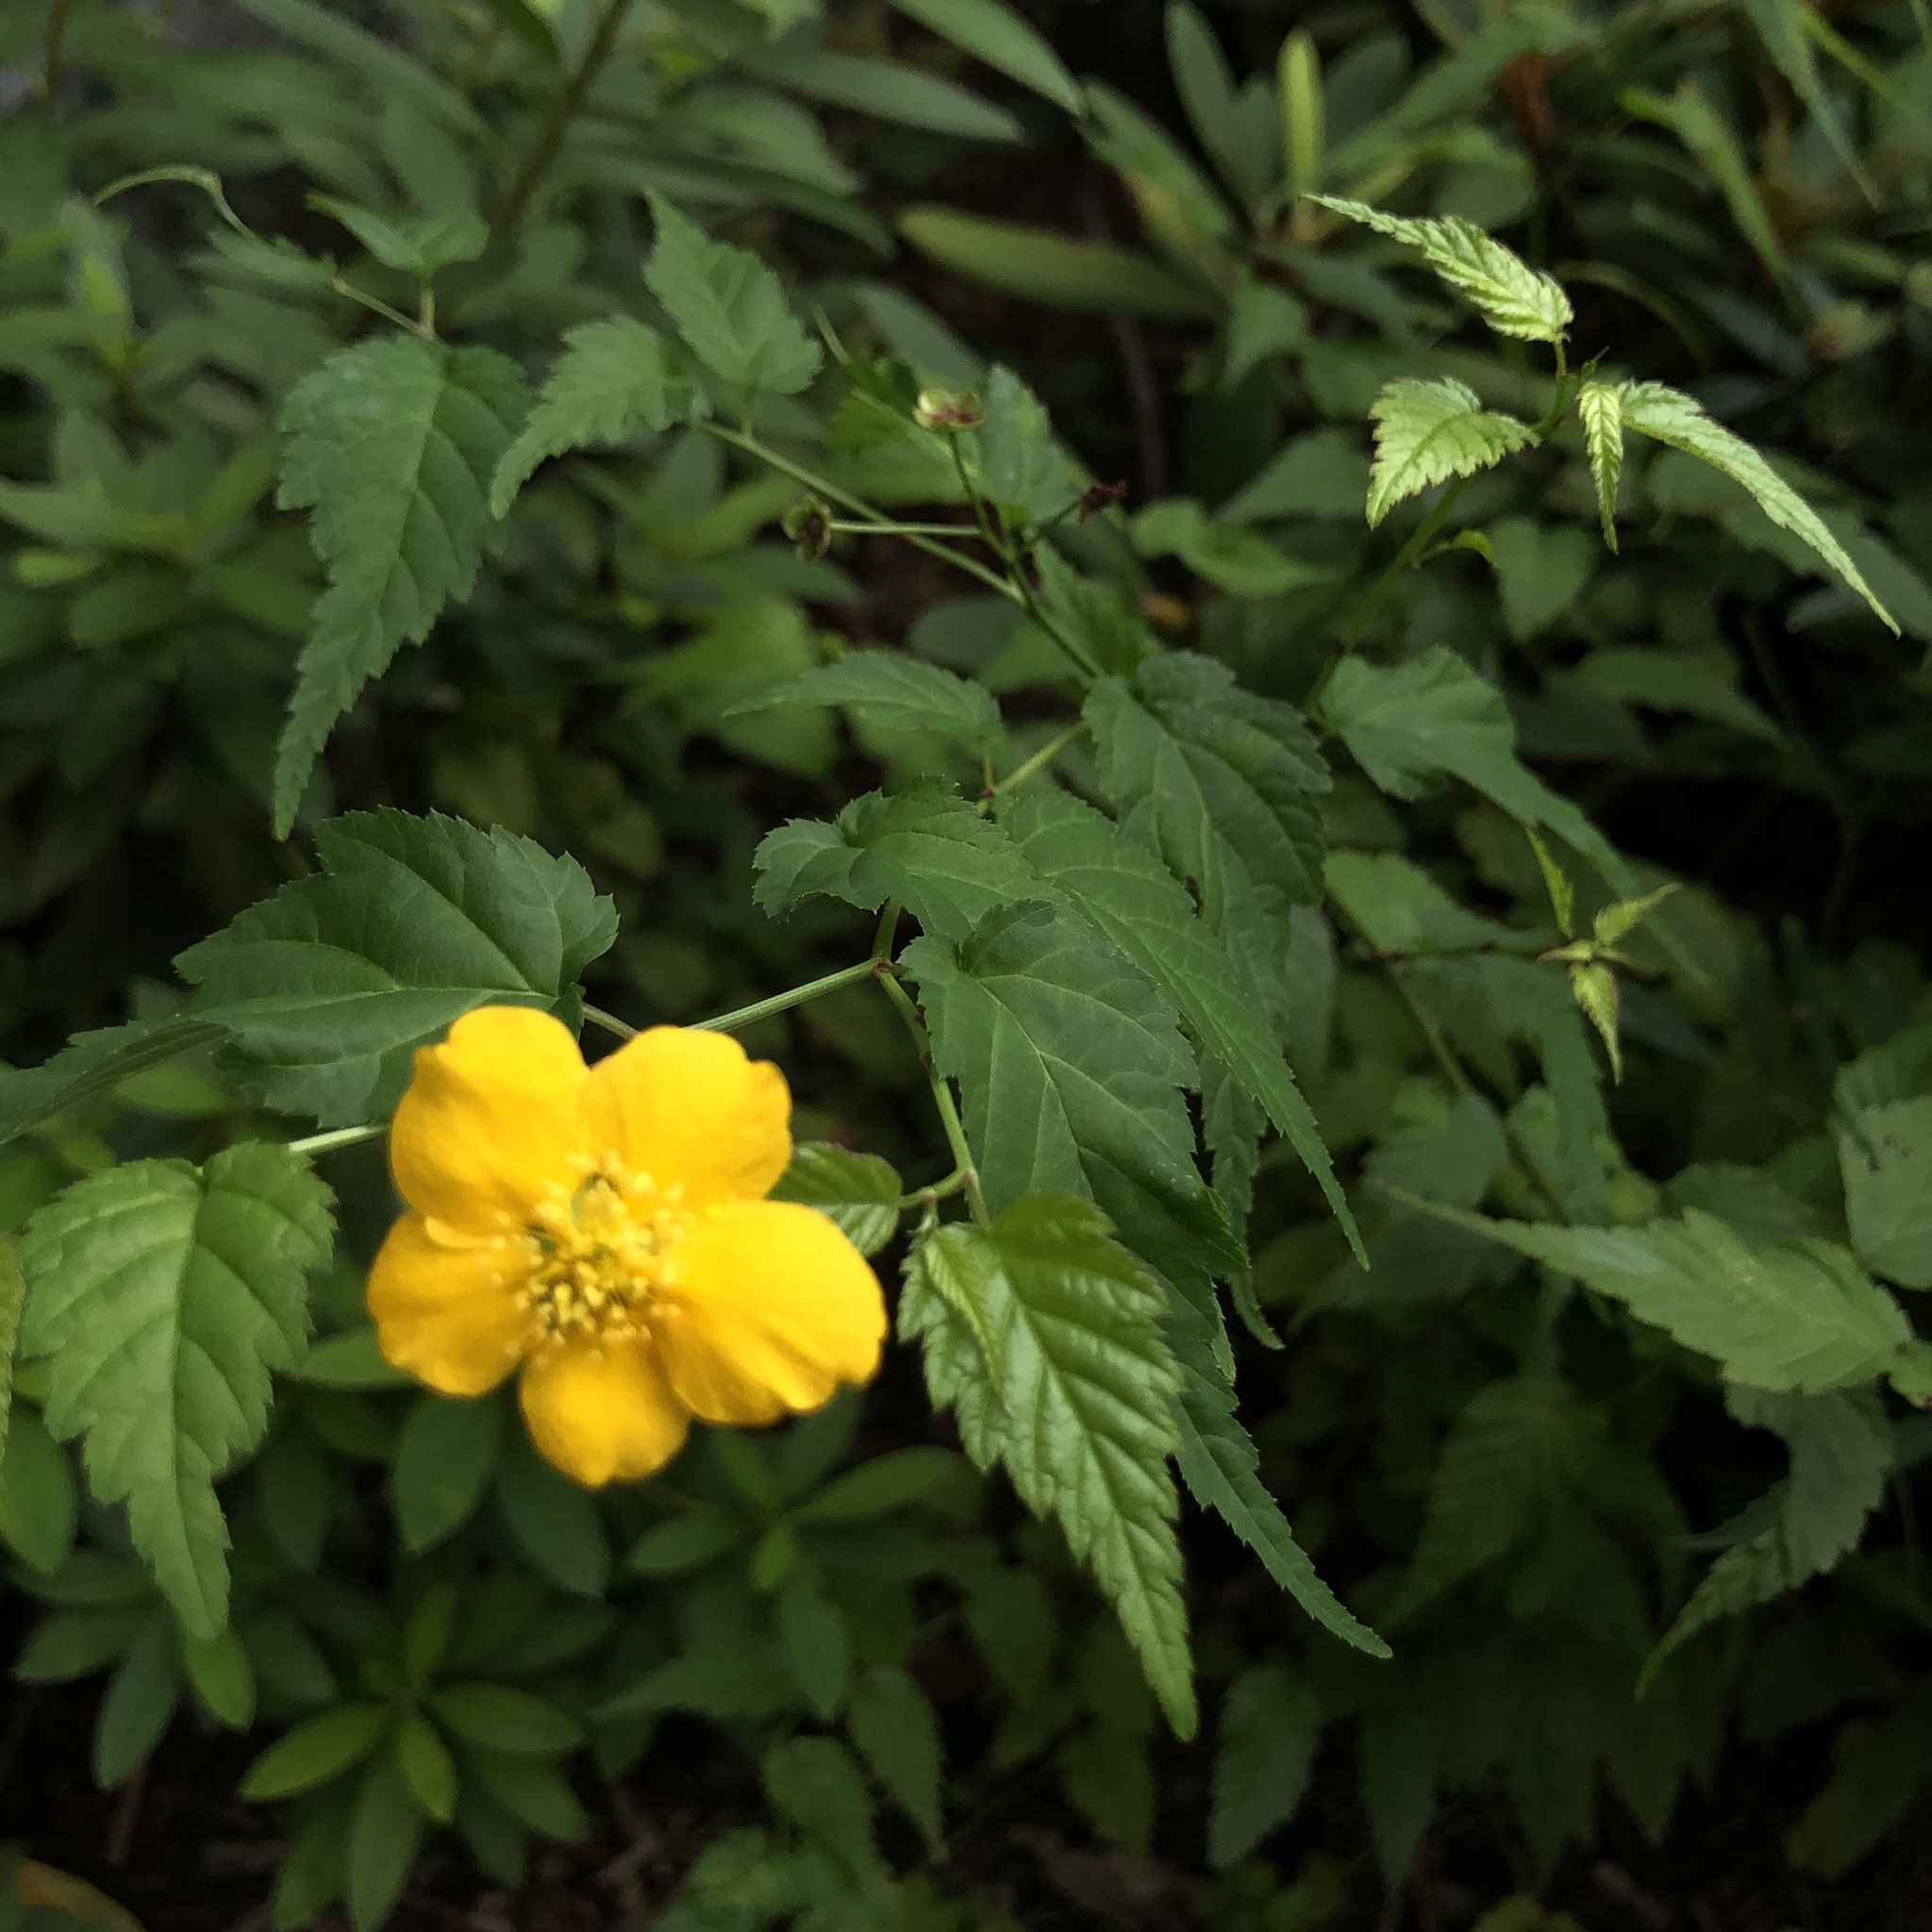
pixel 1278 655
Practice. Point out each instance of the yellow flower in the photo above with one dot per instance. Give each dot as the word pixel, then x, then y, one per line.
pixel 606 1229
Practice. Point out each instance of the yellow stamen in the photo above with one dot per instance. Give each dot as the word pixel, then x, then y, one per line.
pixel 596 1259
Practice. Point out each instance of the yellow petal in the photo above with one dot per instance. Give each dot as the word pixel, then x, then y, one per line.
pixel 771 1310
pixel 443 1309
pixel 602 1414
pixel 490 1119
pixel 688 1109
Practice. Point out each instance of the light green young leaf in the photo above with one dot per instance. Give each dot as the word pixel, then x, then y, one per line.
pixel 1232 781
pixel 1557 882
pixel 393 445
pixel 1512 297
pixel 1084 1381
pixel 1222 1468
pixel 1600 1000
pixel 1407 722
pixel 859 1192
pixel 1427 432
pixel 616 376
pixel 1072 1074
pixel 1600 407
pixel 1797 1316
pixel 1841 1451
pixel 996 33
pixel 891 690
pixel 926 848
pixel 1128 894
pixel 728 306
pixel 1670 417
pixel 1618 921
pixel 327 987
pixel 1270 1726
pixel 160 1296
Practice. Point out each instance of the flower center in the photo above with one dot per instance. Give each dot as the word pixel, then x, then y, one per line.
pixel 596 1256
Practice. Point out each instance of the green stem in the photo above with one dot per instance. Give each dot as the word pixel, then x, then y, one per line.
pixel 609 1022
pixel 942 1095
pixel 1039 762
pixel 338 1137
pixel 1380 590
pixel 784 1002
pixel 54 45
pixel 819 486
pixel 563 109
pixel 840 527
pixel 955 1183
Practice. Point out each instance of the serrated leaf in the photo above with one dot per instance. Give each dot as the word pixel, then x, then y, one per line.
pixel 1885 1156
pixel 1669 416
pixel 1512 297
pixel 1270 1724
pixel 1011 456
pixel 12 1293
pixel 1841 1451
pixel 993 32
pixel 1222 1468
pixel 926 848
pixel 1797 1316
pixel 728 306
pixel 1600 409
pixel 1619 920
pixel 1232 781
pixel 1557 882
pixel 1429 431
pixel 1600 1001
pixel 327 987
pixel 1124 890
pixel 859 1192
pixel 161 1296
pixel 616 376
pixel 393 447
pixel 91 1064
pixel 1507 1466
pixel 1407 722
pixel 889 689
pixel 1073 1072
pixel 1084 1381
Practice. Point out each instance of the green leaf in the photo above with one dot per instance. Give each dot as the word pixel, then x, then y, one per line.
pixel 1799 1315
pixel 501 1718
pixel 1232 781
pixel 161 1295
pixel 440 1466
pixel 1406 724
pixel 895 1480
pixel 1125 890
pixel 1232 557
pixel 1600 1001
pixel 1013 457
pixel 1669 416
pixel 890 689
pixel 12 1292
pixel 328 987
pixel 558 1525
pixel 384 1833
pixel 319 1749
pixel 1600 409
pixel 1072 1074
pixel 1885 1155
pixel 1236 130
pixel 1841 1450
pixel 728 306
pixel 926 848
pixel 392 446
pixel 814 1783
pixel 894 91
pixel 1781 26
pixel 892 1723
pixel 1512 297
pixel 817 1643
pixel 1043 265
pixel 40 1506
pixel 1708 134
pixel 1270 1724
pixel 91 1064
pixel 993 32
pixel 859 1192
pixel 140 1703
pixel 616 376
pixel 1222 1468
pixel 1084 1381
pixel 427 1767
pixel 1427 432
